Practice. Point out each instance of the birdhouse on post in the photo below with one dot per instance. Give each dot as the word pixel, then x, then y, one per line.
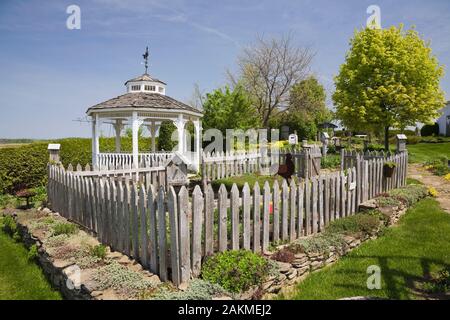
pixel 293 139
pixel 401 143
pixel 176 171
pixel 53 150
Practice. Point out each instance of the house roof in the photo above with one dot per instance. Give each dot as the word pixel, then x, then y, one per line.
pixel 145 77
pixel 143 100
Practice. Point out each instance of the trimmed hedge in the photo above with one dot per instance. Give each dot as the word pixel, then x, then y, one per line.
pixel 26 166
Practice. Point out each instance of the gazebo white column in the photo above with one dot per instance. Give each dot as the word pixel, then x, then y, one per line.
pixel 118 126
pixel 95 139
pixel 135 124
pixel 180 123
pixel 153 128
pixel 198 146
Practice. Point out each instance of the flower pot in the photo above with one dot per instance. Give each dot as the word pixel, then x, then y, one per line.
pixel 388 171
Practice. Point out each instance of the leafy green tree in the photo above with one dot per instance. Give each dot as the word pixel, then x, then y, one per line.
pixel 307 108
pixel 390 78
pixel 165 136
pixel 229 109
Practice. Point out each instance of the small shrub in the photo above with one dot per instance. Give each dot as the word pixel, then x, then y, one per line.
pixel 33 253
pixel 64 228
pixel 365 223
pixel 236 271
pixel 410 194
pixel 432 192
pixel 386 201
pixel 99 251
pixel 374 147
pixel 330 161
pixel 124 280
pixel 447 177
pixel 284 255
pixel 429 130
pixel 16 236
pixel 197 289
pixel 320 243
pixel 9 225
pixel 56 241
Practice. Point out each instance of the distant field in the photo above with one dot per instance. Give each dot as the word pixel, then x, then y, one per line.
pixel 423 152
pixel 11 145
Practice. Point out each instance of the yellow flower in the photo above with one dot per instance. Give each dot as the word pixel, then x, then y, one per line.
pixel 447 177
pixel 432 192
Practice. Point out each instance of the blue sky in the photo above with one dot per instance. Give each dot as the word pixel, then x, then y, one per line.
pixel 50 75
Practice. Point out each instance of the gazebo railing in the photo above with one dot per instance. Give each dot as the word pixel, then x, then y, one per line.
pixel 110 161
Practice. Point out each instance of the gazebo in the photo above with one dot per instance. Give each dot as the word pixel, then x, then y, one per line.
pixel 145 103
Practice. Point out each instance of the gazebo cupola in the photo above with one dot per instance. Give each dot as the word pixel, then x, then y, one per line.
pixel 144 104
pixel 146 83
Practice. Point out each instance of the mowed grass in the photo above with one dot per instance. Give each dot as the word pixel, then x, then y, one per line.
pixel 21 279
pixel 251 179
pixel 422 152
pixel 406 254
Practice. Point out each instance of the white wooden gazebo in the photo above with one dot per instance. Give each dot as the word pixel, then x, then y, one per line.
pixel 144 104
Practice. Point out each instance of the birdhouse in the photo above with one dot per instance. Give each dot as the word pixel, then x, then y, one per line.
pixel 53 150
pixel 293 139
pixel 176 170
pixel 401 142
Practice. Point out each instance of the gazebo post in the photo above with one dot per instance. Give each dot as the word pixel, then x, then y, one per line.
pixel 135 129
pixel 118 126
pixel 198 147
pixel 179 123
pixel 152 128
pixel 95 140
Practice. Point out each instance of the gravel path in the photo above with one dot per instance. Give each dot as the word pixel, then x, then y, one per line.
pixel 418 172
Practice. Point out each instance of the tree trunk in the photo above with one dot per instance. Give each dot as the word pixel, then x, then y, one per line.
pixel 386 138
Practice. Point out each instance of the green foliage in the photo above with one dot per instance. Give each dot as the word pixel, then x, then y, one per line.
pixel 390 164
pixel 64 228
pixel 197 289
pixel 9 225
pixel 116 276
pixel 430 130
pixel 165 141
pixel 330 161
pixel 353 225
pixel 410 194
pixel 374 147
pixel 390 78
pixel 319 243
pixel 229 109
pixel 26 166
pixel 99 251
pixel 33 253
pixel 235 271
pixel 439 166
pixel 307 108
pixel 387 201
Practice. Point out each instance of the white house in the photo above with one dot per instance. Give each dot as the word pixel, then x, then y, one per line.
pixel 444 121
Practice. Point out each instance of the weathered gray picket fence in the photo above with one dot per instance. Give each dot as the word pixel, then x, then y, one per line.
pixel 307 160
pixel 170 233
pixel 227 164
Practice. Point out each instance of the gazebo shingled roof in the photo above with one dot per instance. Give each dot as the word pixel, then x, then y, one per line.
pixel 145 77
pixel 143 100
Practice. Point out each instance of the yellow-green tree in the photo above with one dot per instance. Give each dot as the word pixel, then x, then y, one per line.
pixel 390 78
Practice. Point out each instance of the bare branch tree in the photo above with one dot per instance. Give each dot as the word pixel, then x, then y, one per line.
pixel 268 70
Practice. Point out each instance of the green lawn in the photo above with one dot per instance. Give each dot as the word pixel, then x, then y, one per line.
pixel 406 254
pixel 19 278
pixel 423 152
pixel 251 179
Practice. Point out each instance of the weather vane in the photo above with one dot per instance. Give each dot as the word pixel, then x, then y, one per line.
pixel 145 55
